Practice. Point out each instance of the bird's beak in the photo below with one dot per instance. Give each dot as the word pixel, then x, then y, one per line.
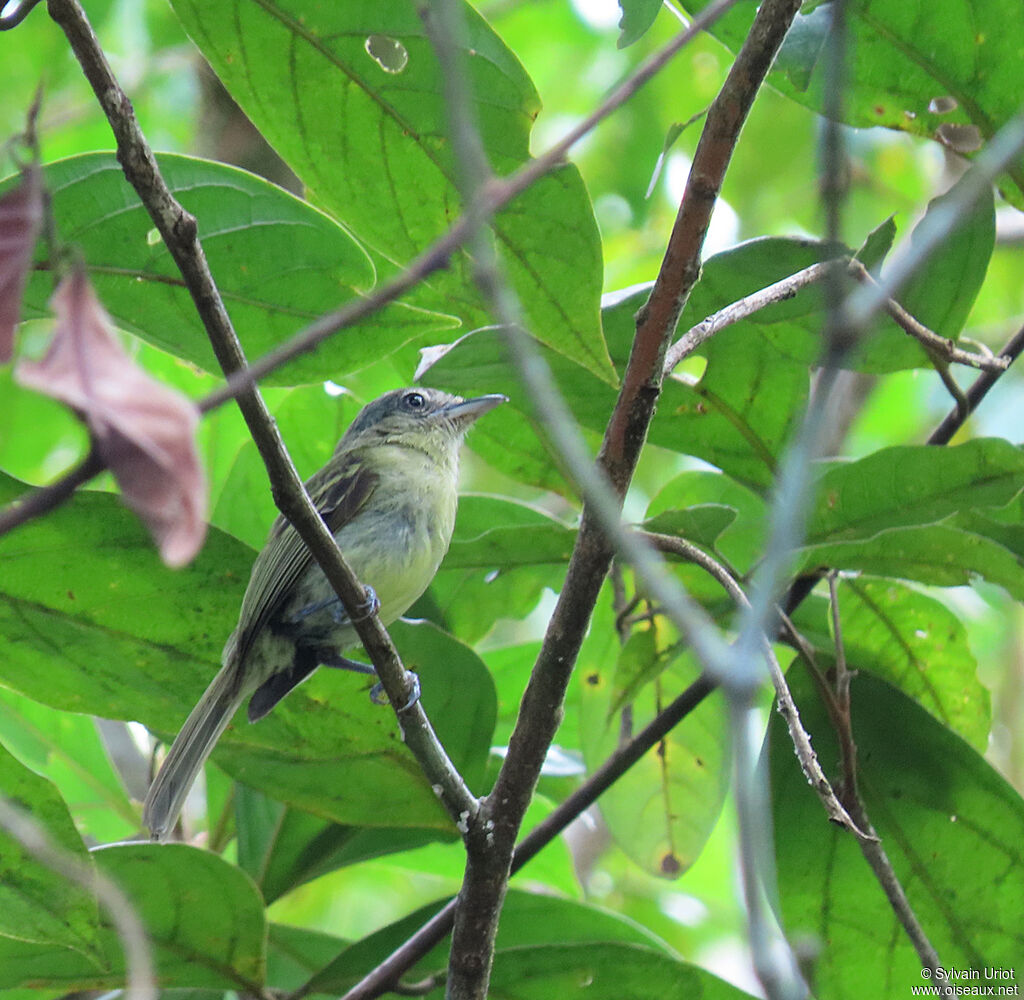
pixel 465 411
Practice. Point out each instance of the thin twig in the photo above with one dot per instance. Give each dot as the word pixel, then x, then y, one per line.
pixel 786 288
pixel 743 308
pixel 976 392
pixel 139 974
pixel 808 759
pixel 873 851
pixel 179 232
pixel 37 502
pixel 943 347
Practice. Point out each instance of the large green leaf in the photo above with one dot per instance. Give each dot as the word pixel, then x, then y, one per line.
pixel 923 513
pixel 529 924
pixel 90 621
pixel 941 294
pixel 39 906
pixel 279 263
pixel 912 485
pixel 203 917
pixel 663 809
pixel 925 68
pixel 915 643
pixel 944 555
pixel 950 825
pixel 351 96
pixel 281 847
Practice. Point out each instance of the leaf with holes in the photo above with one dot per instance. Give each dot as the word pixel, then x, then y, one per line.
pixel 351 96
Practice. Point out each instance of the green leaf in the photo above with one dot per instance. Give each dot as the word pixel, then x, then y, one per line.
pixel 295 953
pixel 368 136
pixel 527 921
pixel 27 420
pixel 502 557
pixel 281 847
pixel 917 644
pixel 279 264
pixel 39 906
pixel 701 524
pixel 912 485
pixel 66 748
pixel 739 542
pixel 943 555
pixel 663 809
pixel 490 531
pixel 637 17
pixel 951 827
pixel 941 294
pixel 926 69
pixel 203 917
pixel 877 245
pixel 608 972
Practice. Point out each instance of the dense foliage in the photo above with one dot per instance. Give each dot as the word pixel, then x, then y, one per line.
pixel 319 846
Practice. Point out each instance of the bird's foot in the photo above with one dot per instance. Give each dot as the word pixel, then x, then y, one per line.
pixel 338 662
pixel 338 613
pixel 378 697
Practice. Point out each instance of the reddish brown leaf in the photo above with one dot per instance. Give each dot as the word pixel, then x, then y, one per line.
pixel 21 214
pixel 144 430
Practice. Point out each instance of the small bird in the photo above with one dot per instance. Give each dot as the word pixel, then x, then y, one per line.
pixel 388 495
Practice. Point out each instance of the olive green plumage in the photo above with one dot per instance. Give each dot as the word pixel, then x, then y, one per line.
pixel 389 496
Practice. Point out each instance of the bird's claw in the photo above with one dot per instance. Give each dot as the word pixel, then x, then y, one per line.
pixel 378 697
pixel 370 606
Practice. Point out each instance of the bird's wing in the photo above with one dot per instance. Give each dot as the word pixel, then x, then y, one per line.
pixel 338 495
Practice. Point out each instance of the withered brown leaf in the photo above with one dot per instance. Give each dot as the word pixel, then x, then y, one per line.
pixel 21 215
pixel 144 430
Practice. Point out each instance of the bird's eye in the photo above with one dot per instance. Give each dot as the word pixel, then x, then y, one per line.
pixel 414 400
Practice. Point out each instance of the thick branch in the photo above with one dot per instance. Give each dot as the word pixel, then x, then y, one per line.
pixel 541 708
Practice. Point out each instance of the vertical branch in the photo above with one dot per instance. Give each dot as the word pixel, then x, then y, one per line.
pixel 491 841
pixel 871 846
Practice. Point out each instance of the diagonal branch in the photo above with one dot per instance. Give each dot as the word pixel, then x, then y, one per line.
pixel 179 232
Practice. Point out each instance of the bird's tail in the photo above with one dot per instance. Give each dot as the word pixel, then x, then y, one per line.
pixel 189 751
